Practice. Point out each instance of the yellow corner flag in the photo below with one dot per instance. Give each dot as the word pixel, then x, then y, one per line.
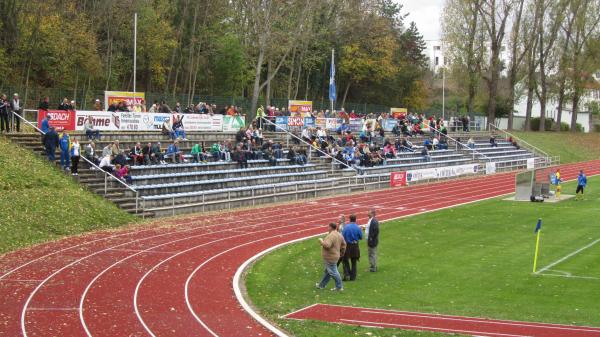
pixel 538 230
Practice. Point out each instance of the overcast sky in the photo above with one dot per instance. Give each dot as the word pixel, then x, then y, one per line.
pixel 426 14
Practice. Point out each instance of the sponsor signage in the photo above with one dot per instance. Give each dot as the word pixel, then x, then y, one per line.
pixel 441 172
pixel 299 108
pixel 397 179
pixel 133 100
pixel 59 119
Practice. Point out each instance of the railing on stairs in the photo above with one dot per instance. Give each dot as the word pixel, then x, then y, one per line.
pixel 463 146
pixel 310 147
pixel 107 176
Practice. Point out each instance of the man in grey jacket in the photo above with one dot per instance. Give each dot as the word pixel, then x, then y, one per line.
pixel 372 231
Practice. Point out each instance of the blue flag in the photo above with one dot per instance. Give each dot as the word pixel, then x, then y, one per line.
pixel 332 91
pixel 538 227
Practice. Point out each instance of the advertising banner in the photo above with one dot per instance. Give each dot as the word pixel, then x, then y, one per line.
pixel 441 172
pixel 490 167
pixel 122 121
pixel 299 108
pixel 203 122
pixel 356 124
pixel 398 112
pixel 133 100
pixel 388 124
pixel 60 119
pixel 309 122
pixel 233 123
pixel 530 163
pixel 397 179
pixel 281 122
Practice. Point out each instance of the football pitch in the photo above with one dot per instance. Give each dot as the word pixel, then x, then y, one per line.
pixel 474 260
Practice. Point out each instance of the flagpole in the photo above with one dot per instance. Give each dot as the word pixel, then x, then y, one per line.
pixel 134 50
pixel 538 230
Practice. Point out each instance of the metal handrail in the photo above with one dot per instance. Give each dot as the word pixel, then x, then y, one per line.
pixel 473 151
pixel 106 174
pixel 534 148
pixel 310 145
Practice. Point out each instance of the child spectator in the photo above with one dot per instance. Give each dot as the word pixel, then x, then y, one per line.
pixel 65 148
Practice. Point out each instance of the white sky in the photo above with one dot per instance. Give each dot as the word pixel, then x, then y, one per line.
pixel 426 14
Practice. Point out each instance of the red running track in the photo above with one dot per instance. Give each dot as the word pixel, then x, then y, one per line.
pixel 438 323
pixel 174 278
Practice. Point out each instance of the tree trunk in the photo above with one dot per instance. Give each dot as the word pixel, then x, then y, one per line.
pixel 307 84
pixel 575 110
pixel 289 87
pixel 268 90
pixel 256 88
pixel 530 90
pixel 346 93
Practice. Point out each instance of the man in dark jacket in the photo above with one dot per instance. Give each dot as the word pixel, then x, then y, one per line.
pixel 50 141
pixel 372 231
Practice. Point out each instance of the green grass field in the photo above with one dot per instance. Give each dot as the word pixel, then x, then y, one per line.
pixel 570 147
pixel 40 203
pixel 473 260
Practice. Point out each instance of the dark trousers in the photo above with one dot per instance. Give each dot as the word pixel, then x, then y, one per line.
pixel 17 123
pixel 74 164
pixel 350 267
pixel 51 153
pixel 243 163
pixel 4 121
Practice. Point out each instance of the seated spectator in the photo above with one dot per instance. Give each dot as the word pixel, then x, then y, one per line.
pixel 513 143
pixel 493 141
pixel 301 157
pixel 277 150
pixel 268 154
pixel 147 154
pixel 443 144
pixel 425 154
pixel 257 136
pixel 407 146
pixel 321 135
pixel 291 155
pixel 215 151
pixel 122 172
pixel 417 129
pixel 173 152
pixel 471 143
pixel 198 154
pixel 396 130
pixel 167 129
pixel 90 153
pixel 157 154
pixel 105 163
pixel 90 131
pixel 306 135
pixel 240 136
pixel 178 131
pixel 136 155
pixel 240 156
pixel 435 143
pixel 428 144
pixel 389 151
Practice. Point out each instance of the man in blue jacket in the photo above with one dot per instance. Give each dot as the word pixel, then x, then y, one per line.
pixel 65 151
pixel 352 234
pixel 45 124
pixel 581 183
pixel 50 141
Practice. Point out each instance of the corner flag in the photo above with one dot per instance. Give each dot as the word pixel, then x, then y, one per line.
pixel 332 91
pixel 538 230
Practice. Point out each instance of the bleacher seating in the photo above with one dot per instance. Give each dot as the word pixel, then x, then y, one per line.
pixel 168 189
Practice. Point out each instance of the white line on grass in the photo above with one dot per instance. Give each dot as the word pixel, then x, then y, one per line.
pixel 564 258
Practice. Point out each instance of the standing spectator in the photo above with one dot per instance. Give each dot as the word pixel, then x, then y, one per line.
pixel 17 108
pixel 372 232
pixel 142 106
pixel 581 183
pixel 154 108
pixel 178 108
pixel 65 105
pixel 45 126
pixel 122 107
pixel 65 150
pixel 75 155
pixel 4 106
pixel 164 108
pixel 97 105
pixel 331 248
pixel 352 234
pixel 44 104
pixel 90 131
pixel 50 141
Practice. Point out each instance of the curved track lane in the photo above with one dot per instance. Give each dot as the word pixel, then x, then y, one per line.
pixel 176 279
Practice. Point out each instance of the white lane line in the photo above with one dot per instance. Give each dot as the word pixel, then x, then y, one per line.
pixel 483 321
pixel 143 278
pixel 566 257
pixel 423 327
pixel 264 252
pixel 52 309
pixel 571 276
pixel 89 285
pixel 191 276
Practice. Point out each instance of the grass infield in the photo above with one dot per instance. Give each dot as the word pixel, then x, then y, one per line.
pixel 472 260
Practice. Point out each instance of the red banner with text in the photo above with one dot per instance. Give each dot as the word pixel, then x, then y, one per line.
pixel 59 119
pixel 398 179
